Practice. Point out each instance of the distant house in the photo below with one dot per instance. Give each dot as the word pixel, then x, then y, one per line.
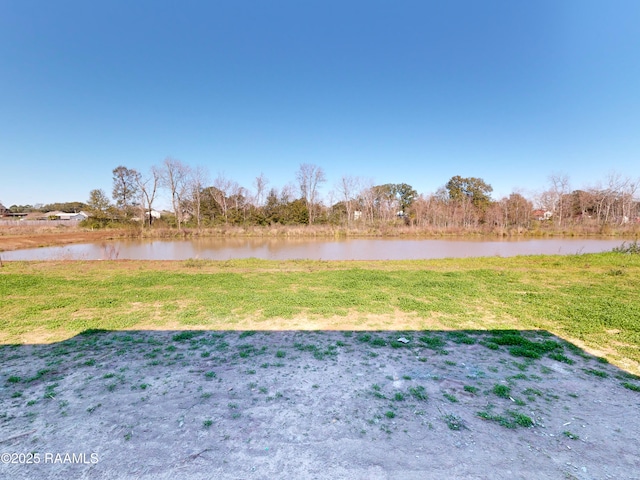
pixel 65 216
pixel 3 210
pixel 153 215
pixel 542 215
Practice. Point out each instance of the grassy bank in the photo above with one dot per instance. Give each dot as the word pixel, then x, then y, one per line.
pixel 591 300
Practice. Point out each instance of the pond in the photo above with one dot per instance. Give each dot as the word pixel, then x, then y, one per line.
pixel 313 248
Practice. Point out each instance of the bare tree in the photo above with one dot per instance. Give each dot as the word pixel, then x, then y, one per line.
pixel 260 183
pixel 366 200
pixel 309 177
pixel 175 177
pixel 198 179
pixel 221 193
pixel 148 186
pixel 559 190
pixel 348 191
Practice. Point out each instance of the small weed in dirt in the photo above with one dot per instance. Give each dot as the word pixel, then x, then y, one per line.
pixel 521 419
pixel 50 391
pixel 39 375
pixel 433 343
pixel 454 422
pixel 596 373
pixel 450 363
pixel 471 389
pixel 94 408
pixel 13 379
pixel 398 397
pixel 16 394
pixel 377 391
pixel 207 423
pixel 532 393
pixel 523 367
pixel 512 420
pixel 390 414
pixel 419 393
pixel 461 337
pixel 524 352
pixel 247 333
pixel 570 435
pixel 502 391
pixel 450 397
pixel 210 375
pixel 490 345
pixel 281 354
pixel 631 386
pixel 559 357
pixel 184 336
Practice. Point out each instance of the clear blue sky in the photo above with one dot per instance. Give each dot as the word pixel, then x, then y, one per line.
pixel 396 91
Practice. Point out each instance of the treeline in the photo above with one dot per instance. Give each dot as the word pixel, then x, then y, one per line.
pixel 461 204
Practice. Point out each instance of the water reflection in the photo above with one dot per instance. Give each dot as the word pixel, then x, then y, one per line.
pixel 310 248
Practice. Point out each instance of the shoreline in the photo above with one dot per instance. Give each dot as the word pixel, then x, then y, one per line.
pixel 22 238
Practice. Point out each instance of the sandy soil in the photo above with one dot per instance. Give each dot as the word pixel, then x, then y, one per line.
pixel 322 405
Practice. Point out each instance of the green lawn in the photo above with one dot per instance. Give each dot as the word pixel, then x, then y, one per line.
pixel 592 300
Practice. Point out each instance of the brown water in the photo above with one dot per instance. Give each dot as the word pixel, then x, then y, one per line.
pixel 310 248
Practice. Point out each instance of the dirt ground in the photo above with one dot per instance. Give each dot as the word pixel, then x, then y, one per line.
pixel 22 238
pixel 321 405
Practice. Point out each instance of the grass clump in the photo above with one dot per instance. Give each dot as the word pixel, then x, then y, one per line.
pixel 595 372
pixel 510 420
pixel 454 422
pixel 184 336
pixel 419 393
pixel 450 397
pixel 502 391
pixel 631 386
pixel 433 343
